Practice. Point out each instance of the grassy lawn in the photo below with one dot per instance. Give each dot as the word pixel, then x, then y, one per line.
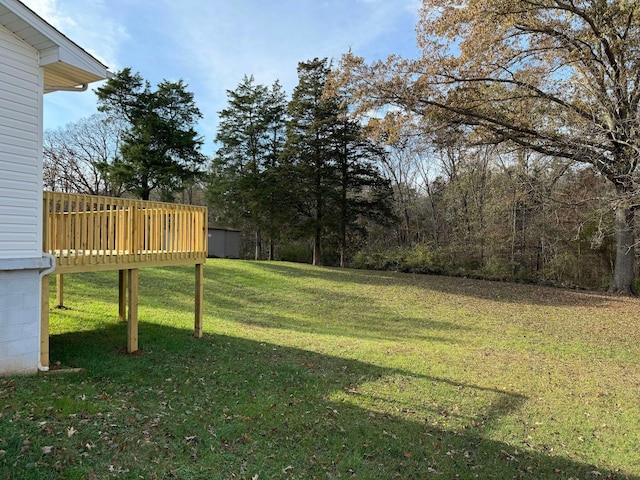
pixel 322 373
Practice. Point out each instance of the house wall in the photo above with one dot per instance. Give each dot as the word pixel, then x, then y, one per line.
pixel 20 204
pixel 19 321
pixel 20 149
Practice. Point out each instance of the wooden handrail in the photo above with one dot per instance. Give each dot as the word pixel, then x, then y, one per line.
pixel 88 232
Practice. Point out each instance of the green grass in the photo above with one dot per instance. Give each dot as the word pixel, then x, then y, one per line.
pixel 324 373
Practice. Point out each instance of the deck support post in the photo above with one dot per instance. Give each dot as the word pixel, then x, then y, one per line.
pixel 59 291
pixel 132 330
pixel 199 297
pixel 44 322
pixel 122 295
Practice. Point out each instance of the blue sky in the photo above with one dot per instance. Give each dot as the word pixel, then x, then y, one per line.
pixel 212 44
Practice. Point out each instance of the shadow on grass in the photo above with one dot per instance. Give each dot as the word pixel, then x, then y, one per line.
pixel 227 407
pixel 482 289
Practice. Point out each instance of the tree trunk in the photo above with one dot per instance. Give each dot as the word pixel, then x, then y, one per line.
pixel 624 271
pixel 343 246
pixel 434 218
pixel 258 255
pixel 316 247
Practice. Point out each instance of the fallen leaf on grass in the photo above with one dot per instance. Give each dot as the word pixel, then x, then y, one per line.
pixel 508 456
pixel 70 431
pixel 287 469
pixel 46 450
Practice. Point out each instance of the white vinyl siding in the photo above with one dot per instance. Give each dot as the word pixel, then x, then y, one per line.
pixel 20 145
pixel 31 51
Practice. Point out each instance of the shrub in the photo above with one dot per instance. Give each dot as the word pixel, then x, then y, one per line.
pixel 420 259
pixel 298 252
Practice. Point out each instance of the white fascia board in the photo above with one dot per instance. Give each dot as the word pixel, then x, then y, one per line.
pixel 71 57
pixel 59 48
pixel 51 55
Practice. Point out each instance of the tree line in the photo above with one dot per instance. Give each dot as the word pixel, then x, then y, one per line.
pixel 142 141
pixel 508 149
pixel 293 173
pixel 297 170
pixel 490 211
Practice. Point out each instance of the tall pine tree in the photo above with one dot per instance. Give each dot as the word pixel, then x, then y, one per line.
pixel 160 148
pixel 308 151
pixel 362 193
pixel 244 187
pixel 336 182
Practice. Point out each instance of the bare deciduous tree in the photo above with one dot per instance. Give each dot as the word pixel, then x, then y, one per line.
pixel 558 77
pixel 76 156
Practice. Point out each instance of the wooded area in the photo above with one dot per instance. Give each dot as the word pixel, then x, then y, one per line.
pixel 508 150
pixel 556 77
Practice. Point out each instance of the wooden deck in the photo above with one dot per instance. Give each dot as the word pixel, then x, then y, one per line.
pixel 92 233
pixel 88 233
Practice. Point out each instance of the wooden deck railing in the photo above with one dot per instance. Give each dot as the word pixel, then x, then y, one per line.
pixel 86 232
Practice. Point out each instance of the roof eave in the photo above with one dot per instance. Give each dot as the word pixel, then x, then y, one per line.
pixel 66 65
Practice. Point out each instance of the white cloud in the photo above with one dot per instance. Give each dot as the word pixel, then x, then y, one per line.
pixel 87 23
pixel 211 44
pixel 225 40
pixel 48 9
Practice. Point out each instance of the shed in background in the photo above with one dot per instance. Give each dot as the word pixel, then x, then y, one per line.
pixel 224 242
